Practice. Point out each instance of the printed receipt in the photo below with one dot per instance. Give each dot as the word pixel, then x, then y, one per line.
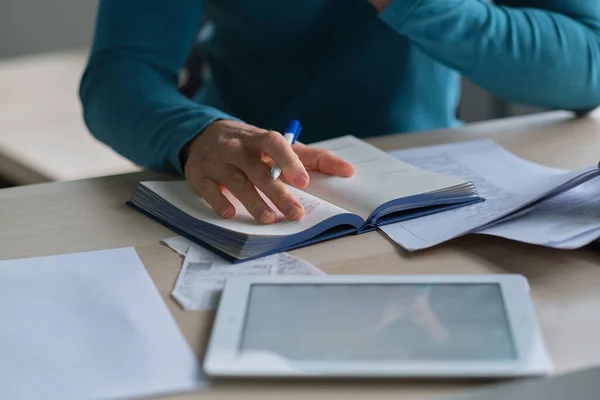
pixel 203 274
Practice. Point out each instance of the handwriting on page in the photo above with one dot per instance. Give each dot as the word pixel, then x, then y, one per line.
pixel 309 204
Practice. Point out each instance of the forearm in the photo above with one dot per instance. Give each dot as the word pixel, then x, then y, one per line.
pixel 528 55
pixel 129 88
pixel 137 110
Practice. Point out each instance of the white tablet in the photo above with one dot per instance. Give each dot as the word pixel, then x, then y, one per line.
pixel 376 326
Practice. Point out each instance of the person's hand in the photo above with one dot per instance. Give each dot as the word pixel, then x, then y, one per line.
pixel 380 4
pixel 238 157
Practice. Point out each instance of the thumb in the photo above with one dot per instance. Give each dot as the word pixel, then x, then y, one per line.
pixel 323 160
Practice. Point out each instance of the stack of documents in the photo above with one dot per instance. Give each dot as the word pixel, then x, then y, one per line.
pixel 383 190
pixel 203 274
pixel 524 201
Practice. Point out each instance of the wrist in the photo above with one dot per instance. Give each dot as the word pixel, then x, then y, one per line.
pixel 184 153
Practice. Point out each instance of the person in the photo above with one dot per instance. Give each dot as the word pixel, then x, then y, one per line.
pixel 359 67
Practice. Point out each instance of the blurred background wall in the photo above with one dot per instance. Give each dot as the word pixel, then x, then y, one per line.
pixel 33 26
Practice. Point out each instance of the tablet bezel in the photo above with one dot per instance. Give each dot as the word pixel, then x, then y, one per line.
pixel 223 358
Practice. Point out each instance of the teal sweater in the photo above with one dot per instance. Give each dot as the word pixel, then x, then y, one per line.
pixel 336 65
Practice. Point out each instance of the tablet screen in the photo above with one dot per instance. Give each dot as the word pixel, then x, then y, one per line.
pixel 382 322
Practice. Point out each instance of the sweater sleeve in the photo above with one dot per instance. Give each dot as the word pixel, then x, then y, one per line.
pixel 129 87
pixel 538 52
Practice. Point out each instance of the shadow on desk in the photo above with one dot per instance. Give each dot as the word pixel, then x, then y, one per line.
pixel 5 184
pixel 329 388
pixel 504 256
pixel 533 261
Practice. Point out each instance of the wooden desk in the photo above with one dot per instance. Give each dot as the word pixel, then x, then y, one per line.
pixel 42 134
pixel 90 214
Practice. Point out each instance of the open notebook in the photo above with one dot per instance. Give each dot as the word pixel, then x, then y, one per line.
pixel 383 190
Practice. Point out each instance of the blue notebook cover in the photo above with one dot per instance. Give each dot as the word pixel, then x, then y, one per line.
pixel 327 232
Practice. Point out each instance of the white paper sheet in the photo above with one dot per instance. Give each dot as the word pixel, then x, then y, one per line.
pixel 203 274
pixel 179 244
pixel 504 180
pixel 567 221
pixel 88 326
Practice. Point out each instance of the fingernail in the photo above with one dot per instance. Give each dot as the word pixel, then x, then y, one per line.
pixel 265 215
pixel 300 180
pixel 227 213
pixel 349 171
pixel 293 212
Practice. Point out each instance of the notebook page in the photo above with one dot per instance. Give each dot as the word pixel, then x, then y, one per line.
pixel 506 181
pixel 180 195
pixel 379 178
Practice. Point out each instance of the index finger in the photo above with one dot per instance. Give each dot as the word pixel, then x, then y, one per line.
pixel 275 146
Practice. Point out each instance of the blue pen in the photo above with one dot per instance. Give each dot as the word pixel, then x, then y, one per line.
pixel 291 134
